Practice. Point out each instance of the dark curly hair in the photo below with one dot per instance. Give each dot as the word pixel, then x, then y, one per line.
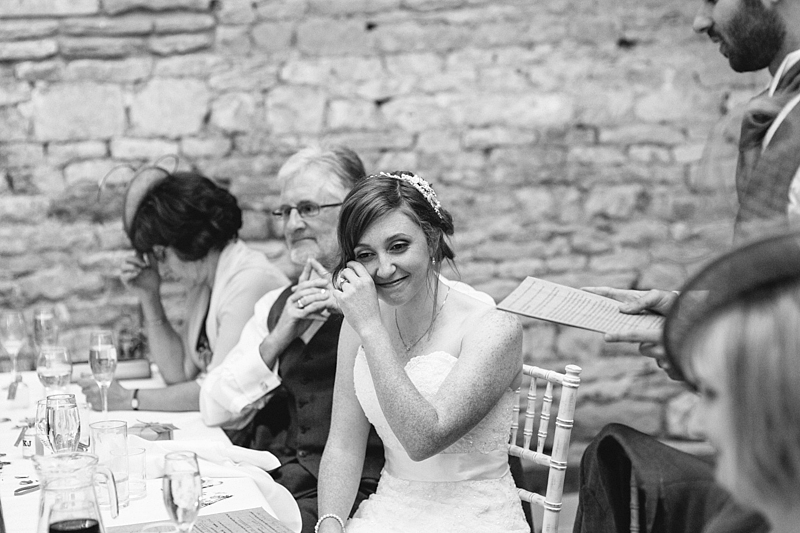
pixel 376 197
pixel 187 212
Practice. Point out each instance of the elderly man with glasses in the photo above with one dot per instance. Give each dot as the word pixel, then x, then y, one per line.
pixel 275 389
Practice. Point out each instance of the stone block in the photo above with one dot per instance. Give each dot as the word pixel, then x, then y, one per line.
pixel 50 70
pixel 30 49
pixel 234 112
pixel 78 111
pixel 577 345
pixel 496 288
pixel 60 153
pixel 205 146
pixel 624 259
pixel 183 22
pixel 233 41
pixel 418 37
pixel 591 417
pixel 281 9
pixel 523 110
pixel 352 114
pixel 596 155
pixel 497 136
pixel 131 69
pixel 13 93
pixel 691 153
pixel 669 104
pixel 88 171
pixel 236 12
pixel 21 154
pixel 273 36
pixel 254 226
pixel 602 105
pixel 165 45
pixel 618 202
pixel 15 30
pixel 519 269
pixel 190 66
pixel 170 107
pixel 295 109
pixel 14 125
pixel 366 141
pixel 107 26
pixel 538 340
pixel 402 160
pixel 326 37
pixel 438 141
pixel 100 47
pixel 564 263
pixel 147 149
pixel 115 7
pixel 48 8
pixel 245 74
pixel 642 134
pixel 354 7
pixel 60 282
pixel 27 209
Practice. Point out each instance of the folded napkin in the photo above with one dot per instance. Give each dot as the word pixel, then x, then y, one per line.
pixel 217 459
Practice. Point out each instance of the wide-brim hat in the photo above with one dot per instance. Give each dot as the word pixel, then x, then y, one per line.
pixel 759 265
pixel 142 182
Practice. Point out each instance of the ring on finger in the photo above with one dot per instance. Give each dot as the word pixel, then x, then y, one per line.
pixel 322 291
pixel 300 303
pixel 342 280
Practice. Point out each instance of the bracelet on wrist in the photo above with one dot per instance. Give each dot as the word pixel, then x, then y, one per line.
pixel 329 515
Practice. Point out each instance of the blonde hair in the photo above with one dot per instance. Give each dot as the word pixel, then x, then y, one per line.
pixel 758 338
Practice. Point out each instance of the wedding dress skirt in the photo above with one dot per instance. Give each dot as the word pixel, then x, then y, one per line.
pixel 467 487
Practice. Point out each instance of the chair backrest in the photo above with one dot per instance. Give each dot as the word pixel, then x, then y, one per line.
pixel 557 460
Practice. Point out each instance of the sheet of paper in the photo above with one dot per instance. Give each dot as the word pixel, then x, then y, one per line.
pixel 244 521
pixel 537 298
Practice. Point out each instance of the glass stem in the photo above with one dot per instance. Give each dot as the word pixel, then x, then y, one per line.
pixel 104 393
pixel 13 359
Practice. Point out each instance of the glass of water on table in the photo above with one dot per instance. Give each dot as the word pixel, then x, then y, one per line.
pixel 103 362
pixel 54 368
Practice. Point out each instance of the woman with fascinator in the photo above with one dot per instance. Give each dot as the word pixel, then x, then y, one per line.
pixel 184 227
pixel 426 361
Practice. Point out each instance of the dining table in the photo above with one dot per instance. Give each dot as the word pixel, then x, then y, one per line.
pixel 242 488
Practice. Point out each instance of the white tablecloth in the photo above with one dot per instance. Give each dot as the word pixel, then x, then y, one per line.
pixel 21 512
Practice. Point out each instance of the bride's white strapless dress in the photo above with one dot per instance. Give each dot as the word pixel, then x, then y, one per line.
pixel 467 487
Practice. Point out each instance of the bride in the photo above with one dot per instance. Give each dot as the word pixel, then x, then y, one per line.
pixel 426 362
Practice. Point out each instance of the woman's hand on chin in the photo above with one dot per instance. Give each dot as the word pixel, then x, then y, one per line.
pixel 358 298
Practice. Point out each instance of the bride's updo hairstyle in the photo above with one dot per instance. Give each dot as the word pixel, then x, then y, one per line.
pixel 379 195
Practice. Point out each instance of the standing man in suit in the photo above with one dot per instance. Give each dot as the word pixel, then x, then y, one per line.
pixel 275 389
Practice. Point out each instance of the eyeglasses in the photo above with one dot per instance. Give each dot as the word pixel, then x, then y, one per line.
pixel 304 209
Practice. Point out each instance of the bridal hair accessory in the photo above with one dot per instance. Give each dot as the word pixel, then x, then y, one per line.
pixel 418 183
pixel 143 180
pixel 329 515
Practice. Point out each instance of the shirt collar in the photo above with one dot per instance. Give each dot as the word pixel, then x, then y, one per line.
pixel 787 63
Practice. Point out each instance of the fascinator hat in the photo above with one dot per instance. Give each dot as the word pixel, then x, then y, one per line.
pixel 744 272
pixel 142 182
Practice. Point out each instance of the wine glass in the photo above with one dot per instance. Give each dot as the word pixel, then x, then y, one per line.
pixel 12 334
pixel 41 426
pixel 54 368
pixel 182 488
pixel 45 327
pixel 103 360
pixel 63 423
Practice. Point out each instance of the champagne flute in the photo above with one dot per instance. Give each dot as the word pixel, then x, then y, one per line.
pixel 103 361
pixel 12 334
pixel 182 488
pixel 54 368
pixel 63 423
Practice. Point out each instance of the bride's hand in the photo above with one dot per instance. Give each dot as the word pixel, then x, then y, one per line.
pixel 357 297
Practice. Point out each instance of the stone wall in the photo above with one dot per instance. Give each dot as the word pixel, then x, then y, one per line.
pixel 566 136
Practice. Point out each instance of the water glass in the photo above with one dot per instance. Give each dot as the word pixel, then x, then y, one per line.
pixel 54 368
pixel 137 473
pixel 45 326
pixel 182 488
pixel 103 361
pixel 63 423
pixel 41 429
pixel 110 445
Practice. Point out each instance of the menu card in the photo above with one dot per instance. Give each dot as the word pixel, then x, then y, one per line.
pixel 545 300
pixel 245 521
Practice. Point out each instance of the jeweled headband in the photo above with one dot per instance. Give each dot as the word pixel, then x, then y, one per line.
pixel 418 183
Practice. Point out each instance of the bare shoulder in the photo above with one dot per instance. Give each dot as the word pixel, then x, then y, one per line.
pixel 487 321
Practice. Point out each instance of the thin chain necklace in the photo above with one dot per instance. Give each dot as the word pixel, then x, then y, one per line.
pixel 409 347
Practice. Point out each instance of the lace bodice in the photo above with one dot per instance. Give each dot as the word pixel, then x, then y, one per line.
pixel 465 488
pixel 427 372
